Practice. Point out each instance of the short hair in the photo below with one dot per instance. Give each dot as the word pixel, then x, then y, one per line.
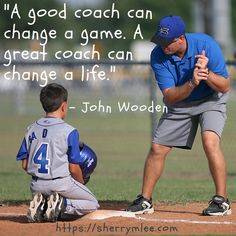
pixel 52 96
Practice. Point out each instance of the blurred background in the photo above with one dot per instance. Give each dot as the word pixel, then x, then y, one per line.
pixel 121 139
pixel 215 17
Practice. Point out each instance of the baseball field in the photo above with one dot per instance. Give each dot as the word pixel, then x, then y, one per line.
pixel 121 141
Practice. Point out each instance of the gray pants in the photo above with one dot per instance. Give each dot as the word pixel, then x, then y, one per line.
pixel 178 127
pixel 79 199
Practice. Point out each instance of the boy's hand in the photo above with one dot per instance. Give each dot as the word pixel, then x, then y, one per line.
pixel 76 172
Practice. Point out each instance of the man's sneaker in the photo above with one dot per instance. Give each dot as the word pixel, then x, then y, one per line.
pixel 37 208
pixel 55 204
pixel 141 205
pixel 218 206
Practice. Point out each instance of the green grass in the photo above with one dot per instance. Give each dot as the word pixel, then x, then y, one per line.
pixel 121 141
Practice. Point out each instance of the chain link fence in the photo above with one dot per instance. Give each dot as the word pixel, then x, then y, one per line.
pixel 129 80
pixel 127 104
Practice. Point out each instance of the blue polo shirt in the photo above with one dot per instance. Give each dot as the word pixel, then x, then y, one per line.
pixel 172 71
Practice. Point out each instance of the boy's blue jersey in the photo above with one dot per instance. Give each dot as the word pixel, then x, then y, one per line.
pixel 50 145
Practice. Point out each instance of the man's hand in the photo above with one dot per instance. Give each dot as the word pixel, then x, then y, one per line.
pixel 201 71
pixel 202 60
pixel 199 75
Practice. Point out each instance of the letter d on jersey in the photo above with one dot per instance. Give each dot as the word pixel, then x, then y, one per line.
pixel 45 132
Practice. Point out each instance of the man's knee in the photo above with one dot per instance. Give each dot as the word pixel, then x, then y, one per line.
pixel 158 151
pixel 211 141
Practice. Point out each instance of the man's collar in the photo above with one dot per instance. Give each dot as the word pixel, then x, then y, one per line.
pixel 190 46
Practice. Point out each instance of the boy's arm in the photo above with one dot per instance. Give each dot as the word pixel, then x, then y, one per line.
pixel 23 154
pixel 24 164
pixel 74 156
pixel 76 172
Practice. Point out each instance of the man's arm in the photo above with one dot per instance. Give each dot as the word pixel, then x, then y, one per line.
pixel 76 172
pixel 201 72
pixel 176 94
pixel 218 83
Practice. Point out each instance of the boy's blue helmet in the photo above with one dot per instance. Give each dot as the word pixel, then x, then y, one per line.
pixel 89 160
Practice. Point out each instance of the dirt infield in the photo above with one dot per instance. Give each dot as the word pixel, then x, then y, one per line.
pixel 178 219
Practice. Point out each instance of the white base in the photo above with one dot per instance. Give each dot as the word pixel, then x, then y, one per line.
pixel 104 214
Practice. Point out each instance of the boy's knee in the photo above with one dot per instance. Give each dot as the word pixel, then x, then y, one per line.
pixel 96 205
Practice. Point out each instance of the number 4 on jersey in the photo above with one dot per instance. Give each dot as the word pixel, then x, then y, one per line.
pixel 41 158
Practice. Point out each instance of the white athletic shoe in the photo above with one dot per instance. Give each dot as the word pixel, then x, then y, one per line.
pixel 55 204
pixel 36 210
pixel 141 205
pixel 218 206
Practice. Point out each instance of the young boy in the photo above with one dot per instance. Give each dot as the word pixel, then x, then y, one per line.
pixel 50 153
